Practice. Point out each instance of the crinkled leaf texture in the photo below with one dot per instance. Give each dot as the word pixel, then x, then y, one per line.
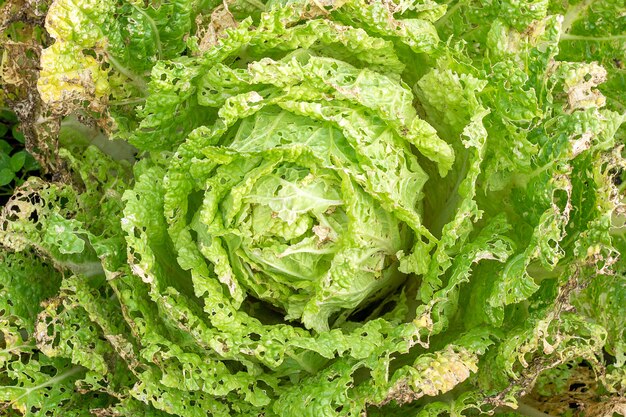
pixel 338 208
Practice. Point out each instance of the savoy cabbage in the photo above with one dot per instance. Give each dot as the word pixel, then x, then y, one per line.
pixel 329 208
